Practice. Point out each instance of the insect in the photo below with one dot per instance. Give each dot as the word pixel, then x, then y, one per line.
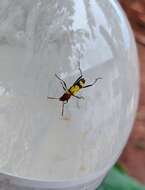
pixel 74 89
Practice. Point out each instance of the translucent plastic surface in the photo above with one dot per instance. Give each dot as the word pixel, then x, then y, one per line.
pixel 39 38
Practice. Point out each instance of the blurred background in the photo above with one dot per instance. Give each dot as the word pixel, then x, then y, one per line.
pixel 133 157
pixel 129 172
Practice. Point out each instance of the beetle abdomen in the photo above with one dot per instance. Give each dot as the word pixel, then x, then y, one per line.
pixel 65 97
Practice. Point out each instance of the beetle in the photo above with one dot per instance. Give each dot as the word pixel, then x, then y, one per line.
pixel 74 89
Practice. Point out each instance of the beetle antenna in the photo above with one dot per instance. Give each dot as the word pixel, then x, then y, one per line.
pixel 79 65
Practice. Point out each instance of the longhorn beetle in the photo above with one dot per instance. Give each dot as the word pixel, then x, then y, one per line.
pixel 74 89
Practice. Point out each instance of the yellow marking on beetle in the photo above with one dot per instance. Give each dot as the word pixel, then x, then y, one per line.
pixel 74 89
pixel 81 83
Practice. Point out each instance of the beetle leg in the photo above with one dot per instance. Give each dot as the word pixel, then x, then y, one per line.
pixel 63 83
pixel 79 97
pixel 52 98
pixel 62 109
pixel 92 83
pixel 63 103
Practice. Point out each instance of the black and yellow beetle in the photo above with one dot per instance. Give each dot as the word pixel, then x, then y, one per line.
pixel 74 89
